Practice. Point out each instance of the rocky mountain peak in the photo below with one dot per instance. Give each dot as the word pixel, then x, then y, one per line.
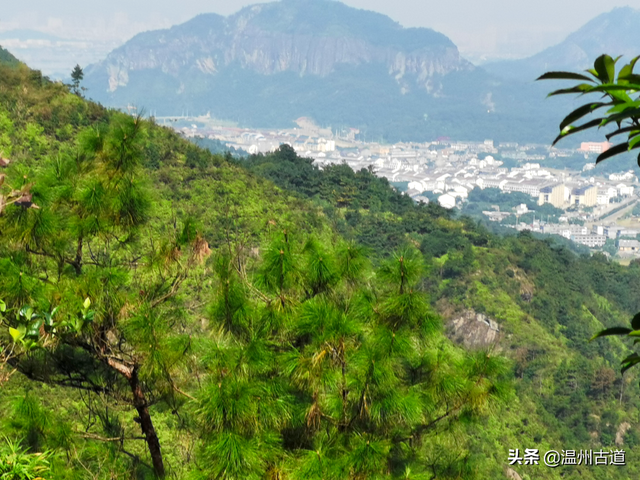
pixel 305 37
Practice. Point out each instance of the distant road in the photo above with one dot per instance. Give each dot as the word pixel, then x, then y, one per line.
pixel 613 217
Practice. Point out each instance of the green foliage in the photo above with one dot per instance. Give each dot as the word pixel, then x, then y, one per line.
pixel 481 200
pixel 217 146
pixel 622 110
pixel 332 375
pixel 76 77
pixel 16 464
pixel 8 59
pixel 364 207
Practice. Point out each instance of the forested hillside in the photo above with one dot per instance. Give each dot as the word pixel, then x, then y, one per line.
pixel 171 312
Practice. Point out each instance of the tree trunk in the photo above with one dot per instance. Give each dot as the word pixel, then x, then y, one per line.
pixel 140 404
pixel 77 261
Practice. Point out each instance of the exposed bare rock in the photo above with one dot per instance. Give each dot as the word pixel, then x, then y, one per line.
pixel 622 430
pixel 473 330
pixel 511 474
pixel 210 42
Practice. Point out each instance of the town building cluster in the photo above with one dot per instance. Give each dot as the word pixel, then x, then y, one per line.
pixel 446 171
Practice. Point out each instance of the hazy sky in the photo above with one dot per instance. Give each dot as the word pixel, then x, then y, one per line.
pixel 490 27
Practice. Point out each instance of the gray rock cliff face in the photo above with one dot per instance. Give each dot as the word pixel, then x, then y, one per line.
pixel 272 63
pixel 473 330
pixel 248 39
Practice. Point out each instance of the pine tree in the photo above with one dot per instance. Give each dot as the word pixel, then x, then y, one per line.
pixel 332 371
pixel 76 77
pixel 90 302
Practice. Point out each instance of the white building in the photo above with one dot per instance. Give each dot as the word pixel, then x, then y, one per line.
pixel 590 241
pixel 624 190
pixel 616 177
pixel 447 201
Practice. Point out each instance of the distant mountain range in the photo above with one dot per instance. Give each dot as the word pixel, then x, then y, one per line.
pixel 615 33
pixel 269 64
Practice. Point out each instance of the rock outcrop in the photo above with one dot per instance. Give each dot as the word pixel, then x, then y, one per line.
pixel 622 431
pixel 305 37
pixel 473 330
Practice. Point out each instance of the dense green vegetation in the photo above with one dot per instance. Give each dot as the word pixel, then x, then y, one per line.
pixel 548 302
pixel 167 309
pixel 7 59
pixel 262 360
pixel 481 200
pixel 216 146
pixel 616 89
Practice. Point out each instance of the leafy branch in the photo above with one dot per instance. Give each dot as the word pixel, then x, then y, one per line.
pixel 617 96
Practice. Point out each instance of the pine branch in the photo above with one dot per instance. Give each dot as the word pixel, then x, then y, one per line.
pixel 93 436
pixel 177 281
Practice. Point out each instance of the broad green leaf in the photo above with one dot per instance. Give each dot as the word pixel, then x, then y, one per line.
pixel 612 331
pixel 30 344
pixel 631 128
pixel 634 143
pixel 628 79
pixel 629 113
pixel 564 76
pixel 605 68
pixel 627 70
pixel 570 130
pixel 615 150
pixel 3 306
pixel 580 112
pixel 629 364
pixel 622 106
pixel 615 91
pixel 630 357
pixel 87 303
pixel 613 87
pixel 581 88
pixel 15 334
pixel 34 329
